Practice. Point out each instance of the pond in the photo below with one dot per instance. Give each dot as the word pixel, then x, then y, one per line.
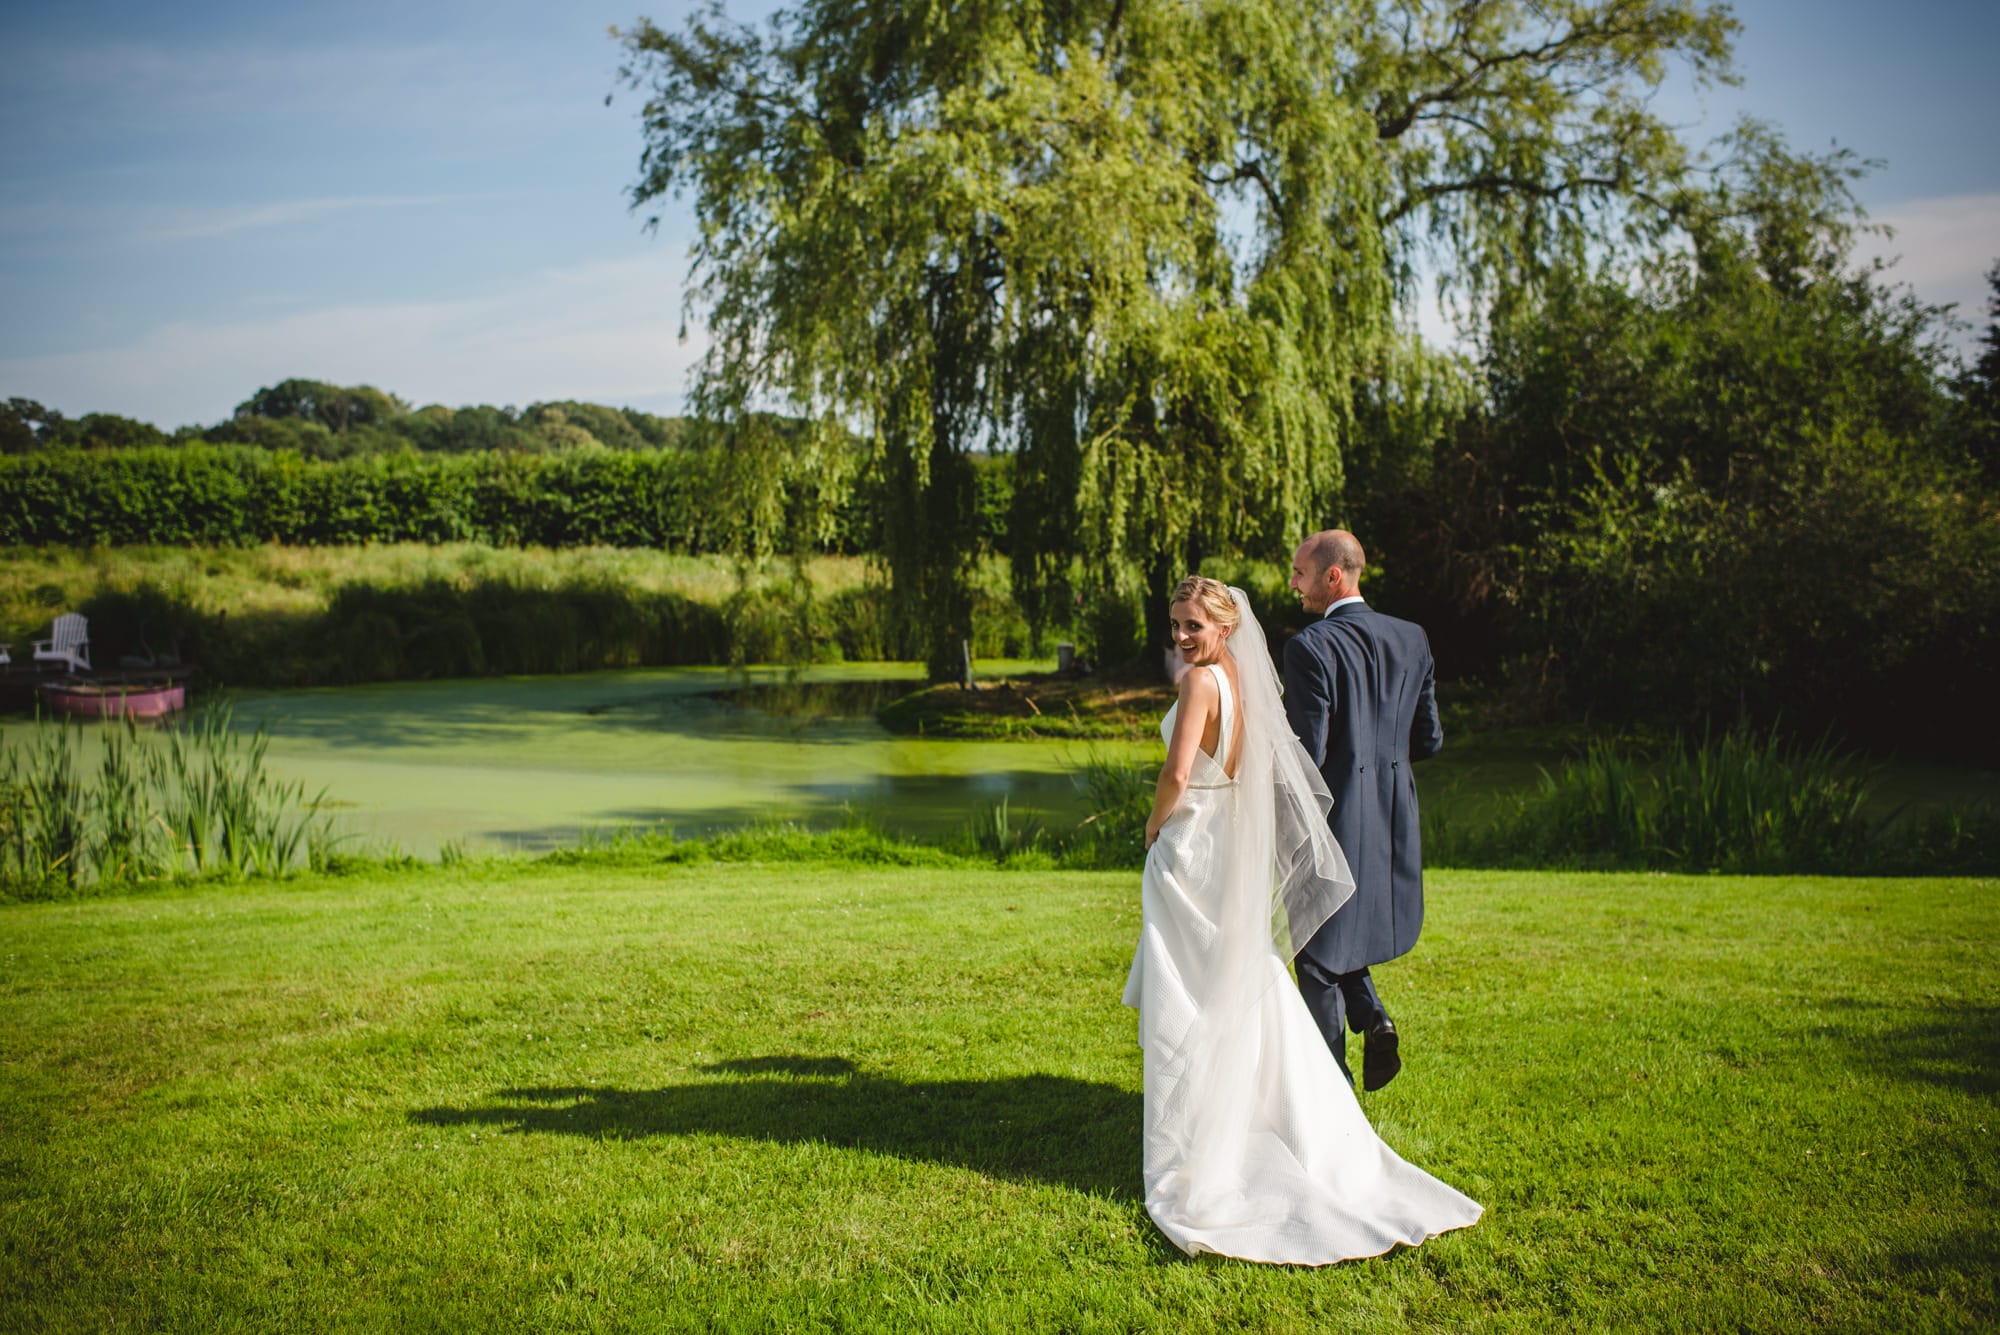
pixel 519 764
pixel 523 764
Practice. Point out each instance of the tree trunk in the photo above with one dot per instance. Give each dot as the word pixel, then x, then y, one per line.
pixel 928 538
pixel 1161 576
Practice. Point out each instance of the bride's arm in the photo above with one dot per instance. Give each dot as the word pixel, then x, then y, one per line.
pixel 1199 701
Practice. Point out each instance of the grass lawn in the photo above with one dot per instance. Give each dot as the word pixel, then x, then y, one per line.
pixel 501 1096
pixel 37 582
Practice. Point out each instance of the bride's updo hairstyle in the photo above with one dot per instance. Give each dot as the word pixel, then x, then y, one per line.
pixel 1211 596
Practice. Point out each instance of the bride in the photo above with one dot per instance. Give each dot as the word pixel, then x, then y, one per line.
pixel 1254 1144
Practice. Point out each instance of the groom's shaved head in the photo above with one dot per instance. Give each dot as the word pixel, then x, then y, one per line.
pixel 1333 547
pixel 1314 567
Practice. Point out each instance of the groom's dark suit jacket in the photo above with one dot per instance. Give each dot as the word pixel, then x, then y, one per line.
pixel 1360 691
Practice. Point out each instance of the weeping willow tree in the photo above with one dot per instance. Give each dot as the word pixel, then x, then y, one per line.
pixel 1158 249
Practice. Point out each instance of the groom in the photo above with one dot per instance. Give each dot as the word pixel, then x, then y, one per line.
pixel 1360 694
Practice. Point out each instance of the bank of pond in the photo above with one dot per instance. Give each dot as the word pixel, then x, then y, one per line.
pixel 772 763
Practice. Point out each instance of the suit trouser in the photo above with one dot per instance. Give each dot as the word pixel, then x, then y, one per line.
pixel 1339 1002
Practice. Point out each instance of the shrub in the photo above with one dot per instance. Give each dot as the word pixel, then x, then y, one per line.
pixel 223 495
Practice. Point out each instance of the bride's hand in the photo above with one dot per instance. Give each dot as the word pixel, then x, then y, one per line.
pixel 1152 833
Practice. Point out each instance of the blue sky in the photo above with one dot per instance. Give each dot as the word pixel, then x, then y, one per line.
pixel 204 197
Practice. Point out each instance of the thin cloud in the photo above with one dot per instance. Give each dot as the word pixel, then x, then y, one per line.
pixel 69 224
pixel 1942 241
pixel 1943 247
pixel 282 213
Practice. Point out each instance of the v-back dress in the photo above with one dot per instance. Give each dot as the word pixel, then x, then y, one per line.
pixel 1254 1145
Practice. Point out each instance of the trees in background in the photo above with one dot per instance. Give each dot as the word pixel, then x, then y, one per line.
pixel 1979 390
pixel 1736 485
pixel 333 421
pixel 26 425
pixel 1156 249
pixel 22 425
pixel 325 421
pixel 335 407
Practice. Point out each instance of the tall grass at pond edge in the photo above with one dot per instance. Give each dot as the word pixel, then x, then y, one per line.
pixel 185 800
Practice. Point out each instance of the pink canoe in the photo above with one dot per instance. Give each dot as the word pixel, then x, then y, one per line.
pixel 113 701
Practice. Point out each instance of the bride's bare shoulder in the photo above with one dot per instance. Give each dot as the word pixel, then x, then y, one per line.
pixel 1197 687
pixel 1234 673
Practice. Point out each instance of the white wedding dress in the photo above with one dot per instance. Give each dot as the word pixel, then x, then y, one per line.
pixel 1255 1146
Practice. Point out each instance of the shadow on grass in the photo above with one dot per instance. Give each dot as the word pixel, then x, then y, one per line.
pixel 1956 1046
pixel 1040 1128
pixel 1948 1257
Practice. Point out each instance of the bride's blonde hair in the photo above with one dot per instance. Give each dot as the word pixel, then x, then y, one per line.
pixel 1210 595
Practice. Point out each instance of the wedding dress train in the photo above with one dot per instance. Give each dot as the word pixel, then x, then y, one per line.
pixel 1254 1146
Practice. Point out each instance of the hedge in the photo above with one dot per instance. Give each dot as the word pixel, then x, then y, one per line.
pixel 238 495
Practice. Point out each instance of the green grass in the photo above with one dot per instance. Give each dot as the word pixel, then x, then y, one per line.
pixel 602 1095
pixel 300 616
pixel 291 616
pixel 36 582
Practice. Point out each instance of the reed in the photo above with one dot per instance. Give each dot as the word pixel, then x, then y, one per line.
pixel 1960 839
pixel 1740 803
pixel 1119 794
pixel 128 833
pixel 1001 836
pixel 41 817
pixel 178 801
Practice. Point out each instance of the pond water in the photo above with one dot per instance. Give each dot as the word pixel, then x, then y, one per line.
pixel 520 764
pixel 512 764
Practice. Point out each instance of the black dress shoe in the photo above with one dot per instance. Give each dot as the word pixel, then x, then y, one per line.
pixel 1379 1060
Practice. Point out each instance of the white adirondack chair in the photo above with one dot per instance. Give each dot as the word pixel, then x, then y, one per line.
pixel 5 657
pixel 68 642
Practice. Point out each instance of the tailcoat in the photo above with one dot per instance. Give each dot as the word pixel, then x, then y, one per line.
pixel 1361 693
